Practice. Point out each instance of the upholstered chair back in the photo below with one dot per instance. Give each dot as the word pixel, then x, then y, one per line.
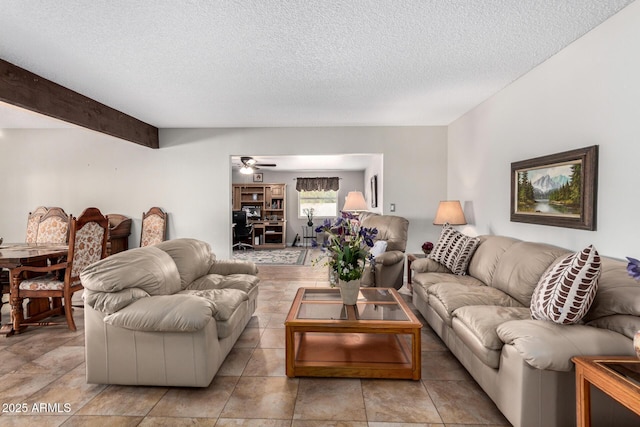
pixel 154 227
pixel 54 227
pixel 392 229
pixel 33 221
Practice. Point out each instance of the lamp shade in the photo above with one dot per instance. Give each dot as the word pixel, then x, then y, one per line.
pixel 354 202
pixel 450 211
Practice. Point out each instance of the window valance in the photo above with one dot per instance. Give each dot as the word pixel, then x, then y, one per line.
pixel 318 184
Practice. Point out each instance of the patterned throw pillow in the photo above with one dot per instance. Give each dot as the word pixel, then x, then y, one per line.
pixel 454 250
pixel 566 290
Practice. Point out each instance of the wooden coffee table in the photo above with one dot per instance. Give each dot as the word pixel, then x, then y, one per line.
pixel 617 376
pixel 379 337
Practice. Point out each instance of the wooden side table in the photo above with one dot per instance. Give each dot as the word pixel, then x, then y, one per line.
pixel 410 259
pixel 617 376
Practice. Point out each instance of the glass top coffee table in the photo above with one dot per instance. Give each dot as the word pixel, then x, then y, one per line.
pixel 379 337
pixel 617 376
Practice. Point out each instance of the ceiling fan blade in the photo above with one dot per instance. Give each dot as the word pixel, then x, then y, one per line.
pixel 267 165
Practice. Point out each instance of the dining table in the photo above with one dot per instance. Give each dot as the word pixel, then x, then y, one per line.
pixel 14 255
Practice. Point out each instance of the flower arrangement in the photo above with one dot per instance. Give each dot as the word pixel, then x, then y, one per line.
pixel 633 268
pixel 346 247
pixel 427 247
pixel 309 213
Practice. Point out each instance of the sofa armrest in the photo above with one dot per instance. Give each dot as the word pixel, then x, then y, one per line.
pixel 390 258
pixel 547 345
pixel 164 313
pixel 226 267
pixel 427 265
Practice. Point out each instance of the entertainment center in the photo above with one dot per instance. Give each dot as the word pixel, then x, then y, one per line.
pixel 265 205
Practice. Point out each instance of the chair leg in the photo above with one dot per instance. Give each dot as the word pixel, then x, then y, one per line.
pixel 68 311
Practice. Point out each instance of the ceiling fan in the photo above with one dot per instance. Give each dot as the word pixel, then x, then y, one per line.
pixel 249 164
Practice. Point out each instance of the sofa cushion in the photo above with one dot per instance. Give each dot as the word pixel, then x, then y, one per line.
pixel 521 266
pixel 428 279
pixel 243 282
pixel 223 301
pixel 192 257
pixel 454 250
pixel 148 268
pixel 485 259
pixel 566 290
pixel 476 326
pixel 110 302
pixel 235 323
pixel 445 298
pixel 547 345
pixel 620 323
pixel 164 313
pixel 618 293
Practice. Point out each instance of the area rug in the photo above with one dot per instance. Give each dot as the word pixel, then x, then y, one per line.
pixel 273 257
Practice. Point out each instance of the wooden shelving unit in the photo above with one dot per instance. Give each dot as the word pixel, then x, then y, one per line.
pixel 266 204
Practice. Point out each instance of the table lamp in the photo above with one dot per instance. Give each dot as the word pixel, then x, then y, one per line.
pixel 450 211
pixel 354 202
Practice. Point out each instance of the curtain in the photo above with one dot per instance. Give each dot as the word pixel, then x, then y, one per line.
pixel 318 184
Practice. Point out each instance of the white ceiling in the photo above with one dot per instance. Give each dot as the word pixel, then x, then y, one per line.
pixel 202 63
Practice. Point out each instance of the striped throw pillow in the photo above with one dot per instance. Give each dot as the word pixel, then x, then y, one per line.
pixel 566 290
pixel 454 250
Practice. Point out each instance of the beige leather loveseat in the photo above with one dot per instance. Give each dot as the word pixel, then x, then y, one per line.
pixel 524 365
pixel 389 266
pixel 164 315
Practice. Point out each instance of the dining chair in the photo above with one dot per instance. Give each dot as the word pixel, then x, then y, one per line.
pixel 87 244
pixel 33 221
pixel 154 227
pixel 119 231
pixel 53 227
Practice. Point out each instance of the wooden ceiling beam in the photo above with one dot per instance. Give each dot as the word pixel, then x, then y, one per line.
pixel 29 91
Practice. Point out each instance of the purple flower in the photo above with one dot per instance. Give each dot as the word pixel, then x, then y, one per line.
pixel 633 268
pixel 346 245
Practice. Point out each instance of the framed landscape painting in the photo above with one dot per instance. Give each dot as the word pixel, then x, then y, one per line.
pixel 558 190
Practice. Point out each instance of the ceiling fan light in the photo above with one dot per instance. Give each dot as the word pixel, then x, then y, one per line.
pixel 246 170
pixel 250 162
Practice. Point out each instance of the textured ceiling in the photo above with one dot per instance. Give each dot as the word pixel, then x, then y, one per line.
pixel 205 63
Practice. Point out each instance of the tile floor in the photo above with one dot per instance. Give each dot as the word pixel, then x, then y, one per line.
pixel 42 371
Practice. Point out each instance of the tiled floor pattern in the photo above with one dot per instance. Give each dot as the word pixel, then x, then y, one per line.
pixel 42 372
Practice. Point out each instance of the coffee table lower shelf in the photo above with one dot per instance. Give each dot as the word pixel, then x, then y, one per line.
pixel 352 355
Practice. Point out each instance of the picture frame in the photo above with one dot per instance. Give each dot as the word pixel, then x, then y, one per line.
pixel 258 177
pixel 558 190
pixel 374 191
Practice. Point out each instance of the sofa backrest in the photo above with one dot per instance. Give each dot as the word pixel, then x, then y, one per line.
pixel 192 257
pixel 392 229
pixel 618 293
pixel 485 259
pixel 148 268
pixel 521 266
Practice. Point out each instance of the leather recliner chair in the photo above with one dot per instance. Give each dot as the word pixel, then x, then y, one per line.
pixel 389 266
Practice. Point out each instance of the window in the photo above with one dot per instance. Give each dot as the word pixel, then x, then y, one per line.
pixel 323 203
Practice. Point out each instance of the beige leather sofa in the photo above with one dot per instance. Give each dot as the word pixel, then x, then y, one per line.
pixel 524 365
pixel 164 315
pixel 389 266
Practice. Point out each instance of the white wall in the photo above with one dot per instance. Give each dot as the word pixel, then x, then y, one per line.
pixel 587 94
pixel 190 175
